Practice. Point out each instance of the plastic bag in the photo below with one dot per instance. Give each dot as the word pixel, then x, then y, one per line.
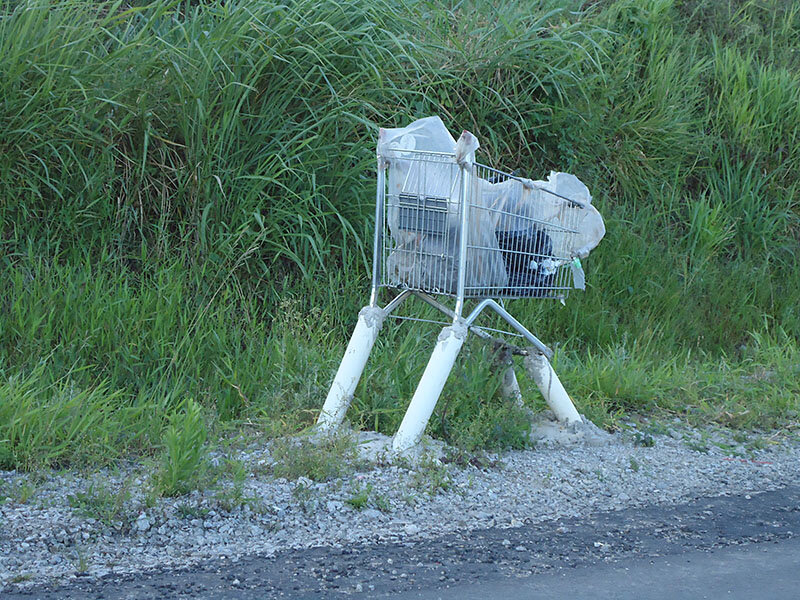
pixel 521 232
pixel 423 213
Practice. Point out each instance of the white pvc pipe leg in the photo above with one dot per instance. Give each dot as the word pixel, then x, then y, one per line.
pixel 430 387
pixel 370 321
pixel 555 395
pixel 509 387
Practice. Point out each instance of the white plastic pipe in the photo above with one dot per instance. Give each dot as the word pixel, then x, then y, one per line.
pixel 509 387
pixel 541 371
pixel 430 387
pixel 370 321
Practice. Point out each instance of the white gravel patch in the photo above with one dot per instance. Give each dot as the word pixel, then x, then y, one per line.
pixel 44 538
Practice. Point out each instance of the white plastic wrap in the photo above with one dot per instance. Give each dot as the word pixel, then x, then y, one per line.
pixel 425 256
pixel 562 200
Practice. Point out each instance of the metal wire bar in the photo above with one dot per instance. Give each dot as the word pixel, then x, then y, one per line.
pixel 462 247
pixel 489 303
pixel 419 320
pixel 379 235
pixel 526 182
pixel 549 224
pixel 479 331
pixel 396 302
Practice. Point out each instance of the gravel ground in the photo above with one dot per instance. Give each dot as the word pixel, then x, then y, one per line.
pixel 65 526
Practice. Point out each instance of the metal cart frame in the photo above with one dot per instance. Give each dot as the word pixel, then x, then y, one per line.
pixel 437 212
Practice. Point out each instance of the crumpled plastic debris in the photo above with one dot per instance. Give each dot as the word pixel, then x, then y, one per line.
pixel 550 219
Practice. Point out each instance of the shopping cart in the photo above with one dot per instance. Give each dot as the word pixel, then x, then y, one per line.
pixel 449 229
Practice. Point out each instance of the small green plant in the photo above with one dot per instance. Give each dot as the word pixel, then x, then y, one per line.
pixel 634 464
pixel 730 449
pixel 81 561
pixel 603 414
pixel 189 511
pixel 184 458
pixel 21 577
pixel 645 440
pixel 381 502
pixel 360 499
pixel 101 503
pixel 229 499
pixel 657 428
pixel 698 445
pixel 411 498
pixel 233 497
pixel 306 497
pixel 320 460
pixel 21 491
pixel 236 470
pixel 477 458
pixel 151 497
pixel 366 496
pixel 431 476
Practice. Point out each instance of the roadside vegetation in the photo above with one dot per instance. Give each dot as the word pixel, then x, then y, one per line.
pixel 186 196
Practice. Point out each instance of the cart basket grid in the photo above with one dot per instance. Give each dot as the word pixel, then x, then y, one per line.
pixel 518 235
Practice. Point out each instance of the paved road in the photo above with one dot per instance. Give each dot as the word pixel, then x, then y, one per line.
pixel 747 545
pixel 744 572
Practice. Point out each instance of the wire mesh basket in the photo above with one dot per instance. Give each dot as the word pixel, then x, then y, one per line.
pixel 519 237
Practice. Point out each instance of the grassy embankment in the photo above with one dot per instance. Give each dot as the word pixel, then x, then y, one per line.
pixel 186 195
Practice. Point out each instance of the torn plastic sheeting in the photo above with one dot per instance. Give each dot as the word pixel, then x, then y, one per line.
pixel 428 259
pixel 561 199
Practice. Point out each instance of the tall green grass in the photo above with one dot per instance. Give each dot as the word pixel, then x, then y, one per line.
pixel 186 193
